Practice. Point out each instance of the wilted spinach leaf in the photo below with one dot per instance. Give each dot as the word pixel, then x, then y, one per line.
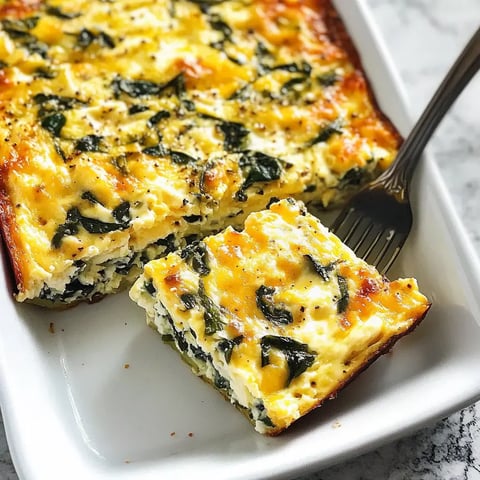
pixel 212 315
pixel 156 151
pixel 189 300
pixel 181 158
pixel 297 354
pixel 342 303
pixel 258 167
pixel 226 346
pixel 89 143
pixel 18 31
pixel 157 117
pixel 328 79
pixel 134 88
pixel 57 12
pixel 168 242
pixel 87 195
pixel 322 270
pixel 327 132
pixel 86 37
pixel 121 213
pixel 234 134
pixel 149 287
pixel 54 123
pixel 273 313
pixel 70 227
pixel 196 253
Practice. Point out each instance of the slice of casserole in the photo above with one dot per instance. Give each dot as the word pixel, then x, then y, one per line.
pixel 278 316
pixel 130 128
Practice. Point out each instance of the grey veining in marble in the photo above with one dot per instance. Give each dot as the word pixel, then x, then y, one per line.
pixel 423 37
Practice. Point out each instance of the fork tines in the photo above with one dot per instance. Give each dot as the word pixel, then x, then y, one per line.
pixel 375 226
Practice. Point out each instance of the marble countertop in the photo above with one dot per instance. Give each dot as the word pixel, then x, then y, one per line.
pixel 423 38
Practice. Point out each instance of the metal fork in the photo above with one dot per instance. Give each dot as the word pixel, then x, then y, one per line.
pixel 376 221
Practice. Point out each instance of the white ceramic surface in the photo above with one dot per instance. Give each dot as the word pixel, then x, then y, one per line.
pixel 72 409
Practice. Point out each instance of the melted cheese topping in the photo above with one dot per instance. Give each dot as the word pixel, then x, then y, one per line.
pixel 189 114
pixel 282 311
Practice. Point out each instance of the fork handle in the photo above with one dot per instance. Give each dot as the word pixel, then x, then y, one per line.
pixel 399 174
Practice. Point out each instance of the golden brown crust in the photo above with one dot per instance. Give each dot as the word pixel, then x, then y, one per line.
pixel 19 8
pixel 338 33
pixel 9 231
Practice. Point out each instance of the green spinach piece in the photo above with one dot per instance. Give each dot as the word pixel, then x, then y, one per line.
pixel 217 23
pixel 192 218
pixel 273 313
pixel 158 150
pixel 70 227
pixel 212 315
pixel 342 303
pixel 57 12
pixel 199 353
pixel 290 84
pixel 235 134
pixel 257 167
pixel 54 104
pixel 322 270
pixel 89 143
pixel 142 88
pixel 123 266
pixel 328 79
pixel 243 93
pixel 262 414
pixel 197 255
pixel 226 346
pixel 304 67
pixel 18 31
pixel 76 286
pixel 134 88
pixel 87 195
pixel 46 73
pixel 120 162
pixel 121 213
pixel 297 354
pixel 179 336
pixel 168 242
pixel 220 382
pixel 327 132
pixel 54 123
pixel 206 4
pixel 92 225
pixel 149 287
pixel 355 176
pixel 157 117
pixel 189 300
pixel 136 108
pixel 86 37
pixel 181 158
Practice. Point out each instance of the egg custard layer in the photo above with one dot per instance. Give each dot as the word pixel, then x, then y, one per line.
pixel 278 316
pixel 131 127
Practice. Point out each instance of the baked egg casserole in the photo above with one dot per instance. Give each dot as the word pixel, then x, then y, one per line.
pixel 278 316
pixel 131 128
